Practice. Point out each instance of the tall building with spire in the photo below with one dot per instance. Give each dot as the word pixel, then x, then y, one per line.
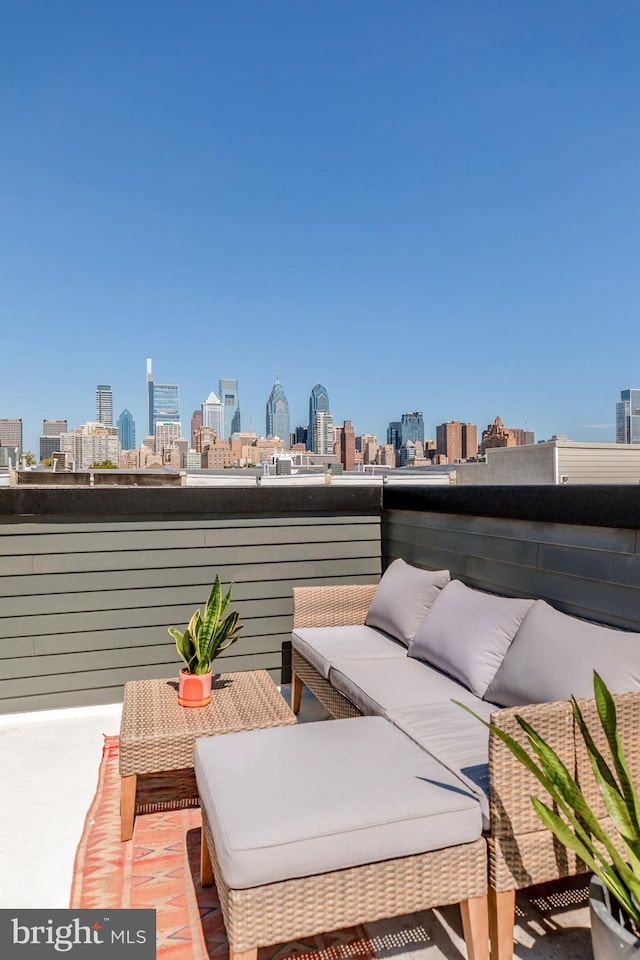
pixel 318 404
pixel 126 430
pixel 213 415
pixel 230 400
pixel 163 402
pixel 104 405
pixel 277 413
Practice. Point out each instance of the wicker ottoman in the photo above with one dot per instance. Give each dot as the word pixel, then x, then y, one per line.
pixel 311 828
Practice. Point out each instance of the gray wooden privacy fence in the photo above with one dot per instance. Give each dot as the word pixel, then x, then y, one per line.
pixel 90 582
pixel 90 579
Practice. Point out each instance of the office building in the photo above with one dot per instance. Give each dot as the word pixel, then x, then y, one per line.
pixel 126 430
pixel 457 441
pixel 318 403
pixel 628 417
pixel 394 434
pixel 323 434
pixel 497 435
pixel 230 400
pixel 163 401
pixel 277 413
pixel 50 439
pixel 412 427
pixel 11 432
pixel 196 423
pixel 300 436
pixel 104 405
pixel 347 446
pixel 90 444
pixel 167 432
pixel 213 415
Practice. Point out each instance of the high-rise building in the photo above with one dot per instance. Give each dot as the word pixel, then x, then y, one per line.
pixel 11 432
pixel 163 401
pixel 323 434
pixel 457 441
pixel 213 415
pixel 104 405
pixel 628 417
pixel 497 435
pixel 300 435
pixel 92 443
pixel 167 432
pixel 126 430
pixel 230 400
pixel 412 427
pixel 470 441
pixel 53 428
pixel 196 423
pixel 277 413
pixel 394 434
pixel 449 440
pixel 347 446
pixel 318 403
pixel 50 439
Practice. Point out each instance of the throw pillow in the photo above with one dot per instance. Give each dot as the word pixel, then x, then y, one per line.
pixel 554 655
pixel 467 633
pixel 403 598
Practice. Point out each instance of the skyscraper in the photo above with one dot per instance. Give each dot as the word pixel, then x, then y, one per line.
pixel 628 417
pixel 50 439
pixel 394 434
pixel 230 400
pixel 318 403
pixel 163 401
pixel 412 427
pixel 104 405
pixel 126 430
pixel 277 418
pixel 347 446
pixel 11 432
pixel 213 415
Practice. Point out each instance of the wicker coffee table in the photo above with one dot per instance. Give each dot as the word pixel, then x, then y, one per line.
pixel 157 734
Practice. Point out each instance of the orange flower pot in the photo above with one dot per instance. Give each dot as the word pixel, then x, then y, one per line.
pixel 194 689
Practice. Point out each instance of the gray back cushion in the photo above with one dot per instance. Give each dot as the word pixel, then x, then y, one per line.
pixel 554 655
pixel 403 599
pixel 467 633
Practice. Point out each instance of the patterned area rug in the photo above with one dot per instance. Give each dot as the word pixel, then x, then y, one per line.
pixel 159 869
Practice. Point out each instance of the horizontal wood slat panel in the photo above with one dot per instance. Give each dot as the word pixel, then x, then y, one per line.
pixel 86 606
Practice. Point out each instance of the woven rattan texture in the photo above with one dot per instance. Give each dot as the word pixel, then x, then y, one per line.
pixel 339 606
pixel 306 906
pixel 338 706
pixel 157 734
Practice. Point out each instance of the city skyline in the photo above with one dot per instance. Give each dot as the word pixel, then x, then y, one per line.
pixel 422 207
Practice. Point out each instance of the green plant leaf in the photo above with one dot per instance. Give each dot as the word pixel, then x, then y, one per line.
pixel 606 707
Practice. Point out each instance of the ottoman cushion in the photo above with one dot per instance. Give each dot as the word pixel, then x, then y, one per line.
pixel 298 801
pixel 322 646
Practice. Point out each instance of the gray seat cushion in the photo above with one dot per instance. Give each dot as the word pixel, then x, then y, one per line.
pixel 377 686
pixel 321 646
pixel 456 739
pixel 298 801
pixel 554 655
pixel 403 598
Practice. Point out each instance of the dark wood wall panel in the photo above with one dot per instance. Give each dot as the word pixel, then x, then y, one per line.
pixel 587 571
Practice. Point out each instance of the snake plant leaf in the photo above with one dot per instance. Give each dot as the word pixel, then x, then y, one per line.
pixel 606 707
pixel 608 876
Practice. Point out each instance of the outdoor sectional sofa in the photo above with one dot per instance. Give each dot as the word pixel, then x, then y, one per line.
pixel 406 649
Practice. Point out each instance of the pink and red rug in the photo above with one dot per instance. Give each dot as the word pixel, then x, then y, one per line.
pixel 159 869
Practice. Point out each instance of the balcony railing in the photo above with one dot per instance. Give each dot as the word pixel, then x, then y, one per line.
pixel 90 579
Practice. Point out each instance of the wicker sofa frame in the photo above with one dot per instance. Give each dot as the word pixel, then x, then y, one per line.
pixel 521 853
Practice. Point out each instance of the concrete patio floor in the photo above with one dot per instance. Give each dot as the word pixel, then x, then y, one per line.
pixel 50 764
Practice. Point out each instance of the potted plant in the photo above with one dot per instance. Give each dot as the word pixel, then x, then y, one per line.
pixel 614 892
pixel 205 636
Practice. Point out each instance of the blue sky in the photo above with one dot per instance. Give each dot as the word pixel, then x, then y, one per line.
pixel 424 205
